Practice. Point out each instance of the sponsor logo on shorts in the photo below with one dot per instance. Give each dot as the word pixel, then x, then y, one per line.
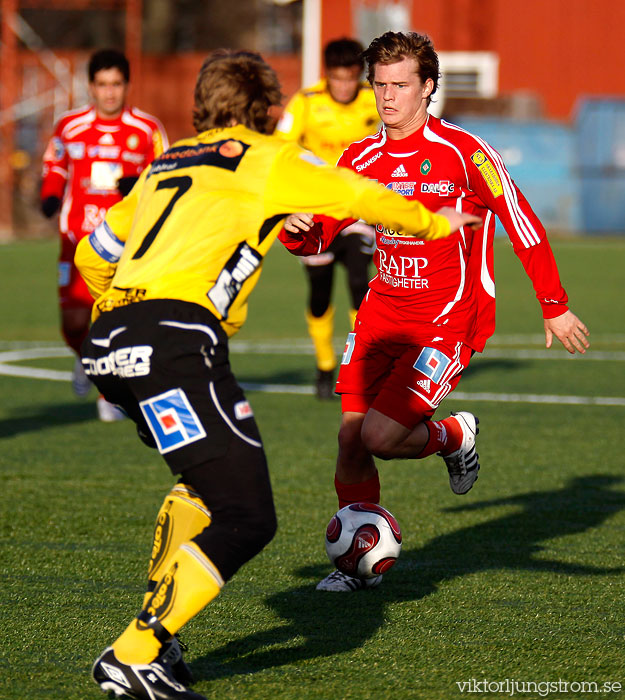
pixel 128 362
pixel 65 274
pixel 349 348
pixel 172 420
pixel 432 363
pixel 424 384
pixel 242 410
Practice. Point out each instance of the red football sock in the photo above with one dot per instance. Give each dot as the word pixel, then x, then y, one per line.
pixel 366 491
pixel 445 437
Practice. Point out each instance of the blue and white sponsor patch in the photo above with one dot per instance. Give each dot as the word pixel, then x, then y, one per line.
pixel 432 363
pixel 65 274
pixel 58 149
pixel 76 150
pixel 406 189
pixel 172 420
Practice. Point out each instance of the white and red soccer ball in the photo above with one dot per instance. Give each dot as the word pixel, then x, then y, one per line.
pixel 363 540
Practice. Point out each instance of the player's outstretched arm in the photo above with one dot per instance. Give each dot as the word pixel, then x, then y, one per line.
pixel 569 330
pixel 296 223
pixel 459 219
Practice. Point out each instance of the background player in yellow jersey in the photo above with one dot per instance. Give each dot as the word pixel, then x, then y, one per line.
pixel 326 118
pixel 171 267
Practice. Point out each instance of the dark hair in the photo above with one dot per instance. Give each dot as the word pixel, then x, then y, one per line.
pixel 393 47
pixel 343 53
pixel 235 85
pixel 108 58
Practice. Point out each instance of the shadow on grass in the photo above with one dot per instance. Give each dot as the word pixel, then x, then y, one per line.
pixel 287 376
pixel 50 416
pixel 484 365
pixel 314 624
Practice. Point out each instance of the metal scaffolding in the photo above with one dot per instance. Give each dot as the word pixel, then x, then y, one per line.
pixel 12 105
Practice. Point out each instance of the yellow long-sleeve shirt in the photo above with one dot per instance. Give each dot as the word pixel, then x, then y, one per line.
pixel 327 127
pixel 199 221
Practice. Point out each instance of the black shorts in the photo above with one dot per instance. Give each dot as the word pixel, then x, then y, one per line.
pixel 165 362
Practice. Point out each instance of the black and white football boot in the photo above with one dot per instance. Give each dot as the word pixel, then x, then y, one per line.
pixel 463 464
pixel 338 582
pixel 172 654
pixel 153 681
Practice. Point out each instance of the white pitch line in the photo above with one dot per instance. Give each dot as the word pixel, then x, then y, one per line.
pixel 278 388
pixel 539 338
pixel 300 347
pixel 539 398
pixel 33 353
pixel 466 396
pixel 518 354
pixel 34 373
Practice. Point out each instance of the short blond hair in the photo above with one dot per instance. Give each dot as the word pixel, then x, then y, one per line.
pixel 235 86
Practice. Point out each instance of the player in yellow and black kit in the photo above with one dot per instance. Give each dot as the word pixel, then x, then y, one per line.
pixel 326 118
pixel 171 268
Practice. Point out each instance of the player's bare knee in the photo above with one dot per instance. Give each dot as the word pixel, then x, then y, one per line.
pixel 378 444
pixel 349 435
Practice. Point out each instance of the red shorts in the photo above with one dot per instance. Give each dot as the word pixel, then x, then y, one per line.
pixel 73 292
pixel 405 381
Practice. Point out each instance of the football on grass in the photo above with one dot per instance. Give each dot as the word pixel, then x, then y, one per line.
pixel 363 540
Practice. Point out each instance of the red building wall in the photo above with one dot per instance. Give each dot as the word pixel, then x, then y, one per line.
pixel 558 49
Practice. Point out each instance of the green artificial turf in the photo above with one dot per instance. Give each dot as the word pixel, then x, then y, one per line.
pixel 521 580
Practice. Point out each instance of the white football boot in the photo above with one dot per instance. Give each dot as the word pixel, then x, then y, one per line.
pixel 108 412
pixel 81 384
pixel 463 464
pixel 338 582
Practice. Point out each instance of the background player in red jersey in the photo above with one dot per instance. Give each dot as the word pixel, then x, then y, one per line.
pixel 325 118
pixel 92 160
pixel 432 304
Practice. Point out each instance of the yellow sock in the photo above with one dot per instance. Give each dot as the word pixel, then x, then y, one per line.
pixel 321 330
pixel 136 645
pixel 182 516
pixel 352 317
pixel 189 585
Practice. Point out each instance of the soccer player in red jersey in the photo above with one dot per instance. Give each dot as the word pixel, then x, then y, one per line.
pixel 431 304
pixel 92 160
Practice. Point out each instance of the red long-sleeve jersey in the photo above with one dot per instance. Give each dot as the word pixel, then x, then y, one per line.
pixel 86 157
pixel 447 283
